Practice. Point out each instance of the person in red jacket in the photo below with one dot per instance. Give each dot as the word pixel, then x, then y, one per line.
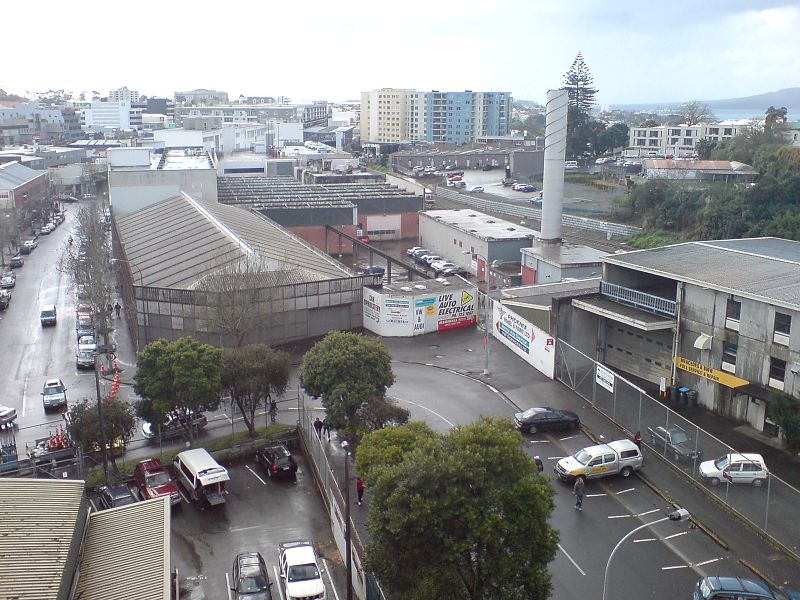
pixel 359 489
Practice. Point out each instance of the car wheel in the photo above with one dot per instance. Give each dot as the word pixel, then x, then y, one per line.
pixel 626 472
pixel 573 425
pixel 713 481
pixel 758 482
pixel 533 429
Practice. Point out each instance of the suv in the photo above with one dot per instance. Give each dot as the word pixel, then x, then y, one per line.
pixel 84 326
pixel 277 460
pixel 250 578
pixel 115 496
pixel 722 588
pixel 153 481
pixel 735 468
pixel 174 425
pixel 300 571
pixel 54 394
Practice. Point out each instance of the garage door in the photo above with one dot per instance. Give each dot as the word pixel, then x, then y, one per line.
pixel 646 354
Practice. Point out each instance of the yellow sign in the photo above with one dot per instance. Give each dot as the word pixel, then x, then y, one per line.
pixel 713 374
pixel 465 298
pixel 430 310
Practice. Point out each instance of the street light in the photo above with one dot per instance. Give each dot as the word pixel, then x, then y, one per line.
pixel 487 320
pixel 680 514
pixel 144 299
pixel 347 546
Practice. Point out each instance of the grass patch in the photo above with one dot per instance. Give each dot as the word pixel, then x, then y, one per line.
pixel 653 239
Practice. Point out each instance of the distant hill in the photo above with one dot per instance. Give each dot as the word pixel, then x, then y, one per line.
pixel 788 97
pixel 527 103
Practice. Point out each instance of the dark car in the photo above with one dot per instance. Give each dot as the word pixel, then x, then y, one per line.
pixel 250 579
pixel 115 496
pixel 17 261
pixel 84 326
pixel 371 270
pixel 277 461
pixel 5 299
pixel 174 425
pixel 675 442
pixel 546 419
pixel 450 271
pixel 722 588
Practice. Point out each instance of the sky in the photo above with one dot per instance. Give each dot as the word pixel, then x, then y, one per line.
pixel 639 52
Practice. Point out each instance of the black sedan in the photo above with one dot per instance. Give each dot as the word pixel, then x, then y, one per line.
pixel 115 496
pixel 534 420
pixel 277 461
pixel 250 577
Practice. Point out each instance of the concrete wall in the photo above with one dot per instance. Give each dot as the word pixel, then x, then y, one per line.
pixel 131 190
pixel 527 164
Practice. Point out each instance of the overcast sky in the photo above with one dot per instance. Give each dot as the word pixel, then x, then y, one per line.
pixel 313 49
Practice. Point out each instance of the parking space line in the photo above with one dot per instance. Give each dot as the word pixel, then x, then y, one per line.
pixel 228 585
pixel 328 572
pixel 581 571
pixel 620 516
pixel 235 529
pixel 25 397
pixel 649 512
pixel 255 474
pixel 675 567
pixel 692 565
pixel 278 580
pixel 625 491
pixel 645 540
pixel 674 535
pixel 707 562
pixel 539 441
pixel 566 438
pixel 595 495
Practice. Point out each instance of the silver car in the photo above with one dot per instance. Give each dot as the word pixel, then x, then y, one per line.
pixel 54 394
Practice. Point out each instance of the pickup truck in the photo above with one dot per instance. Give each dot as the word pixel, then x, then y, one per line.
pixel 153 481
pixel 674 442
pixel 620 456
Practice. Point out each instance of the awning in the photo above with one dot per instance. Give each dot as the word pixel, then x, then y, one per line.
pixel 703 341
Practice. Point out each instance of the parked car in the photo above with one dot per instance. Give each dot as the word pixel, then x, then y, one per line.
pixel 735 468
pixel 6 282
pixel 7 415
pixel 277 461
pixel 250 578
pixel 115 496
pixel 459 184
pixel 413 249
pixel 17 261
pixel 620 456
pixel 675 442
pixel 87 343
pixel 430 258
pixel 570 165
pixel 46 229
pixel 439 265
pixel 5 299
pixel 371 270
pixel 153 481
pixel 84 359
pixel 439 173
pixel 176 424
pixel 54 394
pixel 725 588
pixel 11 274
pixel 450 271
pixel 534 420
pixel 419 252
pixel 475 189
pixel 300 571
pixel 84 326
pixel 523 187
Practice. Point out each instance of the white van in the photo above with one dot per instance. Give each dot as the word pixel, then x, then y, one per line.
pixel 570 165
pixel 203 478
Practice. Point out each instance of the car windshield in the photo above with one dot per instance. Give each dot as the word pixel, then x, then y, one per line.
pixel 679 437
pixel 53 389
pixel 303 572
pixel 582 456
pixel 124 500
pixel 248 585
pixel 156 479
pixel 721 463
pixel 530 412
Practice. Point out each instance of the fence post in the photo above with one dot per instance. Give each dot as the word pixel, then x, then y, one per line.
pixel 639 421
pixel 766 510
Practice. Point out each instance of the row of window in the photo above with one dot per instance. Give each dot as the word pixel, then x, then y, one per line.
pixel 782 323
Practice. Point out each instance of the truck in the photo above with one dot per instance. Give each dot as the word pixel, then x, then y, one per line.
pixel 621 457
pixel 153 481
pixel 674 442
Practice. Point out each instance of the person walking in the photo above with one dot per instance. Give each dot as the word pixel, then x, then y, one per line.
pixel 539 465
pixel 117 308
pixel 318 427
pixel 326 428
pixel 578 490
pixel 359 489
pixel 637 439
pixel 273 410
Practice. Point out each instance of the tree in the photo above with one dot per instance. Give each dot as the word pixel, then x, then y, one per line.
pixel 785 411
pixel 705 148
pixel 649 123
pixel 348 371
pixel 578 81
pixel 181 376
pixel 250 375
pixel 83 424
pixel 695 112
pixel 389 447
pixel 775 117
pixel 467 511
pixel 8 97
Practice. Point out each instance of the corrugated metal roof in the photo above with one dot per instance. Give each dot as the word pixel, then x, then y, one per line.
pixel 177 242
pixel 765 269
pixel 126 553
pixel 14 174
pixel 39 520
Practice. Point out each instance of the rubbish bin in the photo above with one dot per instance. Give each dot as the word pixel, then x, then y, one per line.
pixel 692 397
pixel 673 390
pixel 684 395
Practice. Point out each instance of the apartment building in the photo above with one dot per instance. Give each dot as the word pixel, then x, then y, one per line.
pixel 123 94
pixel 385 115
pixel 679 140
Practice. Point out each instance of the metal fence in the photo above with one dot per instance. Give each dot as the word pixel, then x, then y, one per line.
pixel 769 508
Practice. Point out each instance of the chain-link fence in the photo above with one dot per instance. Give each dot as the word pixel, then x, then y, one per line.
pixel 768 504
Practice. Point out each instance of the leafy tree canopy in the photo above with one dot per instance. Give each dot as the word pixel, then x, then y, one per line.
pixel 466 511
pixel 83 422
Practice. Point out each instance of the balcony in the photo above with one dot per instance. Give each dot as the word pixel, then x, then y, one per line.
pixel 640 300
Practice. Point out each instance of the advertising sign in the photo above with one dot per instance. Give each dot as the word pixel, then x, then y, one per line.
pixel 526 340
pixel 714 375
pixel 372 308
pixel 454 309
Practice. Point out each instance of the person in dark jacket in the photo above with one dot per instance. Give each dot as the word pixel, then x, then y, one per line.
pixel 539 464
pixel 578 490
pixel 318 427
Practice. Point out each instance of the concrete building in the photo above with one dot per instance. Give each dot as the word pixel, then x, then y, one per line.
pixel 27 122
pixel 221 140
pixel 108 116
pixel 728 171
pixel 550 263
pixel 201 96
pixel 679 140
pixel 386 115
pixel 125 95
pixel 719 317
pixel 139 177
pixel 522 164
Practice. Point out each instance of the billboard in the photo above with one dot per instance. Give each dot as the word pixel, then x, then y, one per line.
pixel 533 345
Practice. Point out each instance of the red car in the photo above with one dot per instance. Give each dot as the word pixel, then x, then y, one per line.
pixel 153 481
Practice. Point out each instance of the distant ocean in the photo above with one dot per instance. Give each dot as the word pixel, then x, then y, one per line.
pixel 722 113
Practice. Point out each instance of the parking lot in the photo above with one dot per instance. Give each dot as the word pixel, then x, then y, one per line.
pixel 258 515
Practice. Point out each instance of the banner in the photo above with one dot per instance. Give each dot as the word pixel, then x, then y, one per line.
pixel 526 340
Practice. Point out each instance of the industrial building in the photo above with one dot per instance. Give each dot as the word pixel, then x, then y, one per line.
pixel 22 188
pixel 549 263
pixel 519 163
pixel 728 171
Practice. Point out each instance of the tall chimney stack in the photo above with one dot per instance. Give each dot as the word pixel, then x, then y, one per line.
pixel 555 147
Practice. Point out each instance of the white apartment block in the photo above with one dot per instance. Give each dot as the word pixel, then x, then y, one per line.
pixel 385 115
pixel 679 140
pixel 100 116
pixel 123 94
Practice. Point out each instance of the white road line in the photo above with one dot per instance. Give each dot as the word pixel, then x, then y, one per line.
pixel 25 397
pixel 620 516
pixel 595 495
pixel 560 547
pixel 278 580
pixel 228 585
pixel 328 571
pixel 707 562
pixel 246 528
pixel 674 535
pixel 645 540
pixel 649 512
pixel 255 474
pixel 230 420
pixel 625 491
pixel 676 567
pixel 425 408
pixel 554 457
pixel 566 438
pixel 540 441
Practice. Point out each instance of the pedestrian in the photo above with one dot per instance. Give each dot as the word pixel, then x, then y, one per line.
pixel 326 428
pixel 273 410
pixel 539 465
pixel 359 489
pixel 117 308
pixel 637 439
pixel 318 427
pixel 109 309
pixel 578 489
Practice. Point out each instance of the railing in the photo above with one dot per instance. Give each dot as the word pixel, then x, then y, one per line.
pixel 643 300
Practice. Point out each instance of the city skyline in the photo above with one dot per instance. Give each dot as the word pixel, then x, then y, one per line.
pixel 671 53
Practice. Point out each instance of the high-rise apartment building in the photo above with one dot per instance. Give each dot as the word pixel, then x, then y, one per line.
pixel 385 114
pixel 123 94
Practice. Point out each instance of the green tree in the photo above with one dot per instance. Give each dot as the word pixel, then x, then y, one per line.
pixel 705 148
pixel 83 424
pixel 348 371
pixel 649 123
pixel 466 511
pixel 6 96
pixel 389 447
pixel 251 374
pixel 578 81
pixel 785 411
pixel 775 117
pixel 182 376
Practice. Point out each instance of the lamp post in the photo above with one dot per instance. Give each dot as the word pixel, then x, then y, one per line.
pixel 680 514
pixel 487 318
pixel 348 548
pixel 144 300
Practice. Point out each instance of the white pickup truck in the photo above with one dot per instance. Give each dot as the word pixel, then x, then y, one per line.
pixel 620 456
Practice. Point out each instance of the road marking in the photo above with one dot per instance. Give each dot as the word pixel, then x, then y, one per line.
pixel 25 397
pixel 566 438
pixel 554 457
pixel 278 580
pixel 625 491
pixel 560 547
pixel 595 495
pixel 255 474
pixel 674 535
pixel 540 441
pixel 620 516
pixel 228 585
pixel 707 562
pixel 425 408
pixel 649 512
pixel 246 528
pixel 328 572
pixel 645 540
pixel 676 567
pixel 230 420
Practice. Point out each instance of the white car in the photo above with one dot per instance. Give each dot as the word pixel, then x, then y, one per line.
pixel 440 265
pixel 7 415
pixel 300 571
pixel 735 468
pixel 475 189
pixel 46 230
pixel 411 251
pixel 8 282
pixel 87 343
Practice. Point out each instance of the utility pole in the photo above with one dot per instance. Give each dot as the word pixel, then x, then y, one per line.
pixel 100 417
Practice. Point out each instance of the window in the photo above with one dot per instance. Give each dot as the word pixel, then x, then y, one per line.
pixel 777 368
pixel 734 309
pixel 729 353
pixel 783 323
pixel 713 130
pixel 728 131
